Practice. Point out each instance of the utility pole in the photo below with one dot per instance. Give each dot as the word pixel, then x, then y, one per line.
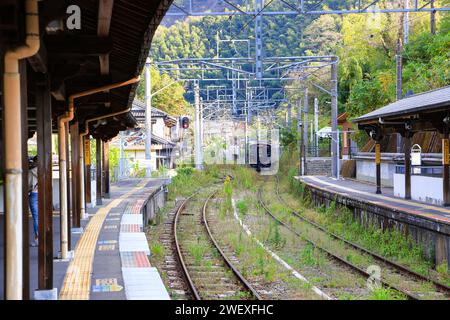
pixel 399 66
pixel 305 130
pixel 148 119
pixel 334 112
pixel 300 135
pixel 406 24
pixel 433 18
pixel 399 88
pixel 198 137
pixel 289 116
pixel 399 60
pixel 316 125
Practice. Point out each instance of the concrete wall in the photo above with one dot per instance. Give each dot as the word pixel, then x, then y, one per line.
pixel 153 205
pixel 318 166
pixel 366 171
pixel 423 189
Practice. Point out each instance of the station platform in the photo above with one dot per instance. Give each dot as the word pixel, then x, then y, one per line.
pixel 110 255
pixel 110 261
pixel 432 217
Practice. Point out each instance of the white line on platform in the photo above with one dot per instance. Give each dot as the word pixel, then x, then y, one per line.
pixel 410 203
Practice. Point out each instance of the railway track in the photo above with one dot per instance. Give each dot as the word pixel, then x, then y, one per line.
pixel 176 281
pixel 342 261
pixel 207 270
pixel 440 286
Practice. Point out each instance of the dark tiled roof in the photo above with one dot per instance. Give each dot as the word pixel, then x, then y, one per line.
pixel 138 112
pixel 139 108
pixel 426 101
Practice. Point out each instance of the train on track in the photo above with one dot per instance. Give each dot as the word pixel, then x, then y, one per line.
pixel 260 155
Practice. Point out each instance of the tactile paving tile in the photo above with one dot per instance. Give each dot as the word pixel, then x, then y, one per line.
pixel 130 228
pixel 135 260
pixel 144 284
pixel 132 219
pixel 133 242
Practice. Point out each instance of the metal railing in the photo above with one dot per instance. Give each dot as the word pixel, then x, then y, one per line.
pixel 429 171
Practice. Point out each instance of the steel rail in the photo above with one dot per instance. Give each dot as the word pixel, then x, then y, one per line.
pixel 181 261
pixel 236 272
pixel 378 257
pixel 409 295
pixel 178 249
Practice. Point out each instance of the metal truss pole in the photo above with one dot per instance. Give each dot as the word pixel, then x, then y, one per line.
pixel 334 115
pixel 289 116
pixel 305 131
pixel 148 119
pixel 406 24
pixel 247 110
pixel 300 7
pixel 122 156
pixel 198 138
pixel 259 38
pixel 300 136
pixel 316 126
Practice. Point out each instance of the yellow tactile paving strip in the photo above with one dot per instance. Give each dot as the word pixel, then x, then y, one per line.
pixel 77 282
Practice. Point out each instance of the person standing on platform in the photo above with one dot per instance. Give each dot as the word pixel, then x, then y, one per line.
pixel 33 197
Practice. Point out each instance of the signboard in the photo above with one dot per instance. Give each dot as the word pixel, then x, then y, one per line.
pixel 445 152
pixel 377 153
pixel 144 163
pixel 87 152
pixel 106 285
pixel 416 155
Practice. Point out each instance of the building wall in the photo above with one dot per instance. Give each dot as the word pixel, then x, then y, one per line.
pixel 366 171
pixel 423 188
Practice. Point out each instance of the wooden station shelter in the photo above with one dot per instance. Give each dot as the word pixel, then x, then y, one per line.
pixel 429 111
pixel 71 68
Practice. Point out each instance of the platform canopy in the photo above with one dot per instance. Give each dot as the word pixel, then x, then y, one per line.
pixel 110 45
pixel 428 111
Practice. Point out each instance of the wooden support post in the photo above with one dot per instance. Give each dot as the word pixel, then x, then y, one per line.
pixel 45 201
pixel 69 198
pixel 99 171
pixel 106 169
pixel 378 165
pixel 87 173
pixel 407 166
pixel 445 173
pixel 2 174
pixel 26 218
pixel 74 160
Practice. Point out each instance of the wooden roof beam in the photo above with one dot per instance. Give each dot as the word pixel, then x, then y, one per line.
pixel 67 46
pixel 105 8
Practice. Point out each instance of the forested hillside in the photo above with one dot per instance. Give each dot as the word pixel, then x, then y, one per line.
pixel 366 45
